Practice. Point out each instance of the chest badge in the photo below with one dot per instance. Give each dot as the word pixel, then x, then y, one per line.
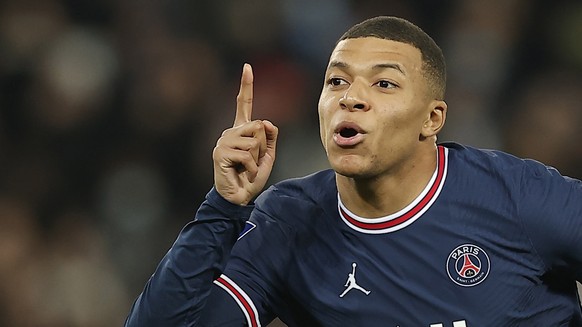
pixel 468 265
pixel 351 283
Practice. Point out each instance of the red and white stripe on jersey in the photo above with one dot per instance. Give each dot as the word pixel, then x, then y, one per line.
pixel 242 299
pixel 407 215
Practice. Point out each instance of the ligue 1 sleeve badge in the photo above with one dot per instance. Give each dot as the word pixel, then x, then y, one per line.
pixel 468 265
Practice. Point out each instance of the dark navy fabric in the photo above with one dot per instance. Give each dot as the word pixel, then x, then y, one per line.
pixel 494 240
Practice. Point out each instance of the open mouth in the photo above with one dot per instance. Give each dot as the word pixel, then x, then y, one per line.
pixel 348 129
pixel 348 132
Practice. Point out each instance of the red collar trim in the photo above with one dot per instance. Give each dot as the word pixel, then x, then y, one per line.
pixel 407 215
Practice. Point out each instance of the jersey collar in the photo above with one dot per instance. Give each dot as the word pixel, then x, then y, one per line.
pixel 407 215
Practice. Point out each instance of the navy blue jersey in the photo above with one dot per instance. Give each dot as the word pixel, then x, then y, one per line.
pixel 493 240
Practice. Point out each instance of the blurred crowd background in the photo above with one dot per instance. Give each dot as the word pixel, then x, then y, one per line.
pixel 109 111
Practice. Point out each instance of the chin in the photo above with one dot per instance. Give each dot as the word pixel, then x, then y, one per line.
pixel 349 168
pixel 348 174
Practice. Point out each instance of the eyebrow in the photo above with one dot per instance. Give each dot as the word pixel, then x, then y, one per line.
pixel 341 64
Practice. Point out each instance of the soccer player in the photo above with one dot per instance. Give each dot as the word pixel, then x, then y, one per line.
pixel 440 235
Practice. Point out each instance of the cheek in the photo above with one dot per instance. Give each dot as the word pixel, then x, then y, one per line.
pixel 322 110
pixel 392 118
pixel 325 103
pixel 325 106
pixel 397 128
pixel 404 118
pixel 322 135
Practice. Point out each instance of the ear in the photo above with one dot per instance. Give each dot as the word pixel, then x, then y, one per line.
pixel 435 119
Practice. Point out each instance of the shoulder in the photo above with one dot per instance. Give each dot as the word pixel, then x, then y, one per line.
pixel 493 163
pixel 308 189
pixel 529 177
pixel 483 157
pixel 493 172
pixel 298 195
pixel 496 159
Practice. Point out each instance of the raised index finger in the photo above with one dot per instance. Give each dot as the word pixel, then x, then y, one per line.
pixel 244 100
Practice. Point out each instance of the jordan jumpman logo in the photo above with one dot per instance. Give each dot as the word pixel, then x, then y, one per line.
pixel 351 283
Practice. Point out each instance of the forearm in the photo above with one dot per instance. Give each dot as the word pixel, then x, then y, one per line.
pixel 177 291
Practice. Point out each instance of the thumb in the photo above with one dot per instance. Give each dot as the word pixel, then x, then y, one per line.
pixel 271 133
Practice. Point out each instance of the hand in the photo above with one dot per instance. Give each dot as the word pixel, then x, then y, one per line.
pixel 244 155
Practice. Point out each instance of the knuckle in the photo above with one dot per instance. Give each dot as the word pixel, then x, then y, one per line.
pixel 225 132
pixel 253 143
pixel 244 99
pixel 258 125
pixel 216 152
pixel 219 143
pixel 248 155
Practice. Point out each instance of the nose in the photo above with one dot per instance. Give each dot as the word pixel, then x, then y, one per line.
pixel 353 100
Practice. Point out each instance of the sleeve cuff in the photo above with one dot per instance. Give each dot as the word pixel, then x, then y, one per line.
pixel 226 208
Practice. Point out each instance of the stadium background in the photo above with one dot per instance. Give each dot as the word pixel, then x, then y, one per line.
pixel 109 111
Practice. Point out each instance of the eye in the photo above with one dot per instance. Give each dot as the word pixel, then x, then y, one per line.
pixel 335 81
pixel 386 84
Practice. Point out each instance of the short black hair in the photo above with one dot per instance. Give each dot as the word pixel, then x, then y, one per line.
pixel 401 30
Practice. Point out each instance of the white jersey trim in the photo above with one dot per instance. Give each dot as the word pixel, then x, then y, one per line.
pixel 364 225
pixel 242 299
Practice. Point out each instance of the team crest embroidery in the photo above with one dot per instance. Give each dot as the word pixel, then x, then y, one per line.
pixel 468 265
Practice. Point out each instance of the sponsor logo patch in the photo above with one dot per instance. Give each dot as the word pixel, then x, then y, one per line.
pixel 468 265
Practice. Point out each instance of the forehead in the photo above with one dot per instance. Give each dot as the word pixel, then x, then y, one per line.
pixel 370 51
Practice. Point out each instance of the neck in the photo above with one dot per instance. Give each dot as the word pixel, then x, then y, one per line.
pixel 389 192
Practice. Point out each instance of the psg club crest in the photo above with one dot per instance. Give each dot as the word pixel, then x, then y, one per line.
pixel 468 265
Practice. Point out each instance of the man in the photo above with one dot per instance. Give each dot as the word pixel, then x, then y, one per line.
pixel 441 235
